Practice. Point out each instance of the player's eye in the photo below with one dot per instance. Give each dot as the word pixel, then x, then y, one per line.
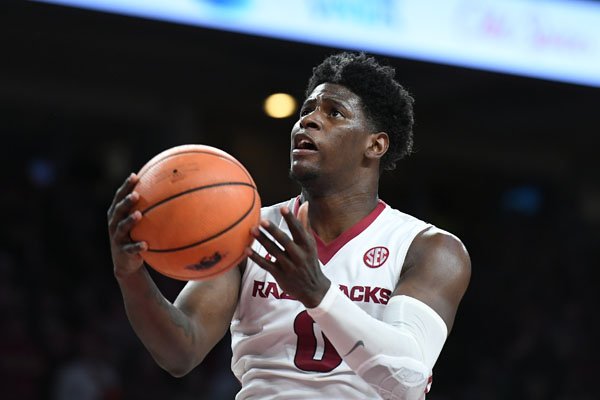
pixel 335 113
pixel 305 111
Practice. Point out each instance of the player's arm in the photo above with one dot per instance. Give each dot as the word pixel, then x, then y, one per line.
pixel 436 272
pixel 179 334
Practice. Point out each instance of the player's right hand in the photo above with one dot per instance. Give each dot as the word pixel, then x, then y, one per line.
pixel 125 253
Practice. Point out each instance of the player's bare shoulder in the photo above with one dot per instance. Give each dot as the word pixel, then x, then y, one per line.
pixel 440 250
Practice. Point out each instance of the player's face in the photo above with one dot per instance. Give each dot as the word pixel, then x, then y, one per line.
pixel 331 135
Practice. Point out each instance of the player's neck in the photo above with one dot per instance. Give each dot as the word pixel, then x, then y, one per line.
pixel 334 213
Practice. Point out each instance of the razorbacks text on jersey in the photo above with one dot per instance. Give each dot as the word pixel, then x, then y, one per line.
pixel 278 350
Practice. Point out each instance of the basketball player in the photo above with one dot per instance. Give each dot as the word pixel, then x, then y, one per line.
pixel 341 296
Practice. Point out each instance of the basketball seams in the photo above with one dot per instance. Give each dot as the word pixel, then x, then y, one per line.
pixel 148 167
pixel 230 227
pixel 166 200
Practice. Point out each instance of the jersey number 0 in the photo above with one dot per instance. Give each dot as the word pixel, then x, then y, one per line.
pixel 306 349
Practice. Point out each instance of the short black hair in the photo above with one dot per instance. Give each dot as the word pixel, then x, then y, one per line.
pixel 387 105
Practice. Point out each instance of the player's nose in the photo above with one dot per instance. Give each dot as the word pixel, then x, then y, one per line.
pixel 310 121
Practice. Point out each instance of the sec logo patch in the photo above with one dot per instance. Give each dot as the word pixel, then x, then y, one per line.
pixel 376 256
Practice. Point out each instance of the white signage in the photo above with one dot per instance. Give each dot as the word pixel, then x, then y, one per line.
pixel 550 39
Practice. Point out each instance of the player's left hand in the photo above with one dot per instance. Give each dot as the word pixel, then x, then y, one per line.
pixel 296 268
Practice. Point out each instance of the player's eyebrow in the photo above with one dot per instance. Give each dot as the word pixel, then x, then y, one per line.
pixel 328 98
pixel 338 102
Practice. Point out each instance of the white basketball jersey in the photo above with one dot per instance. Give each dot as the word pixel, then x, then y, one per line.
pixel 278 350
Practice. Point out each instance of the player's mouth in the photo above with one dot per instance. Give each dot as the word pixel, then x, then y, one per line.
pixel 303 145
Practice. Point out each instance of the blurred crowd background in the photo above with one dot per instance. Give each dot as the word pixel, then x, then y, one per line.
pixel 508 164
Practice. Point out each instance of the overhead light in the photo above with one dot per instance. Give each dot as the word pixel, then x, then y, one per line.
pixel 280 105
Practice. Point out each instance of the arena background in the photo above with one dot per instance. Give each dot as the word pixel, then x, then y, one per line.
pixel 509 164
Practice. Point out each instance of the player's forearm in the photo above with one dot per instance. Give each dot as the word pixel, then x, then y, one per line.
pixel 394 355
pixel 169 335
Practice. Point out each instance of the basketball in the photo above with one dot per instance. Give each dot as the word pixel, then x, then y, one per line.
pixel 198 204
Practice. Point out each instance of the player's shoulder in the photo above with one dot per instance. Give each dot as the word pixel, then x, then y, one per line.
pixel 397 224
pixel 436 239
pixel 439 248
pixel 430 237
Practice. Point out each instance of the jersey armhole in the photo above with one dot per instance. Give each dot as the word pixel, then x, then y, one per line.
pixel 406 247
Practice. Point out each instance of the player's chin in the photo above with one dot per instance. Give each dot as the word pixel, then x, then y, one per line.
pixel 303 172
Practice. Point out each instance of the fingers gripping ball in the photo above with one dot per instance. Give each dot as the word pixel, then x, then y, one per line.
pixel 198 205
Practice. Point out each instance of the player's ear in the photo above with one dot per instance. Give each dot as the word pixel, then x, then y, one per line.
pixel 378 144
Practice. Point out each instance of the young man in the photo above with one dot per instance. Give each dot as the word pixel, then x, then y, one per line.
pixel 341 295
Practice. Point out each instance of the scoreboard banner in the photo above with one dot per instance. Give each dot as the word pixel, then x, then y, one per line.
pixel 548 39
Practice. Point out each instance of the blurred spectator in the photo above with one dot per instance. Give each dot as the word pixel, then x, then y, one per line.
pixel 90 375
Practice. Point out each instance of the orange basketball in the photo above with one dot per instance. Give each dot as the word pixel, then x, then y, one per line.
pixel 198 205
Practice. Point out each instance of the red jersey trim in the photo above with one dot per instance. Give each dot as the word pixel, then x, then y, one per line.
pixel 327 251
